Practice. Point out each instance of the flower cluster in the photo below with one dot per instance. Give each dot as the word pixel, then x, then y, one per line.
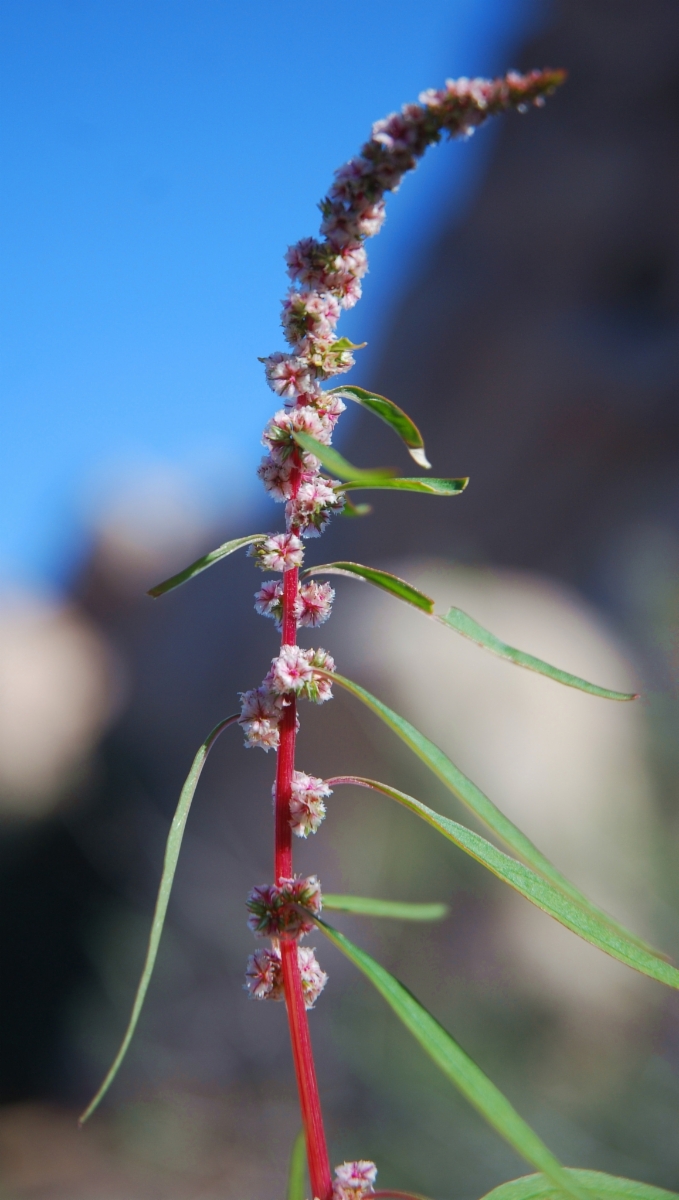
pixel 276 909
pixel 294 672
pixel 312 606
pixel 307 803
pixel 264 975
pixel 354 1180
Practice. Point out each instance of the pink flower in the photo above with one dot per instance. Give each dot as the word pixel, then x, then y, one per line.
pixel 296 670
pixel 276 477
pixel 309 313
pixel 275 908
pixel 287 374
pixel 307 807
pixel 353 1180
pixel 264 975
pixel 278 434
pixel 260 713
pixel 280 552
pixel 310 510
pixel 315 603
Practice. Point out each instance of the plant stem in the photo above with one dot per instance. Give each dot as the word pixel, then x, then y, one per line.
pixel 310 1103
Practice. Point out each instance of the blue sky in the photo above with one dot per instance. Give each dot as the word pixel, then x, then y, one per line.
pixel 159 156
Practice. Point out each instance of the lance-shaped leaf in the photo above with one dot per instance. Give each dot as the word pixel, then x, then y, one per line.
pixel 592 928
pixel 172 849
pixel 376 477
pixel 452 1060
pixel 478 802
pixel 382 579
pixel 395 417
pixel 593 1183
pixel 202 564
pixel 462 623
pixel 397 909
pixel 296 1171
pixel 426 486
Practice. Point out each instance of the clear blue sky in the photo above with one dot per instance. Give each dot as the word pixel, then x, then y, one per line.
pixel 158 158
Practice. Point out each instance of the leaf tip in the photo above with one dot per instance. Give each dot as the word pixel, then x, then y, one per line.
pixel 417 452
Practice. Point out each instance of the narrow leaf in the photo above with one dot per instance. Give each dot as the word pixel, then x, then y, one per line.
pixel 398 909
pixel 172 849
pixel 592 1183
pixel 478 803
pixel 432 487
pixel 458 620
pixel 382 579
pixel 202 564
pixel 452 1060
pixel 334 462
pixel 296 1172
pixel 587 924
pixel 394 416
pixel 344 343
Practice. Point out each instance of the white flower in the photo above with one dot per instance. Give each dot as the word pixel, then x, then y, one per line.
pixel 287 375
pixel 354 1180
pixel 315 603
pixel 280 552
pixel 307 803
pixel 260 713
pixel 264 975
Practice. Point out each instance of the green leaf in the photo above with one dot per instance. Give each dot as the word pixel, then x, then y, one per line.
pixel 172 849
pixel 458 620
pixel 339 466
pixel 452 1060
pixel 355 510
pixel 394 416
pixel 432 487
pixel 382 579
pixel 478 803
pixel 296 1172
pixel 592 1183
pixel 400 910
pixel 587 924
pixel 344 343
pixel 202 564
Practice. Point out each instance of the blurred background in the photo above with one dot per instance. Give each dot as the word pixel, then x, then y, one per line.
pixel 523 306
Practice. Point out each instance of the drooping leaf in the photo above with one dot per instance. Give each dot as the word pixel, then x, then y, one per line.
pixel 296 1172
pixel 452 1060
pixel 333 461
pixel 398 909
pixel 428 486
pixel 394 416
pixel 478 803
pixel 172 848
pixel 458 620
pixel 593 1183
pixel 202 564
pixel 382 579
pixel 543 894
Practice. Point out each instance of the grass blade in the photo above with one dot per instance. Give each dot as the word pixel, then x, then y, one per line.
pixel 592 1183
pixel 398 909
pixel 452 1060
pixel 173 846
pixel 478 803
pixel 297 1170
pixel 334 462
pixel 462 623
pixel 202 564
pixel 394 416
pixel 382 579
pixel 543 894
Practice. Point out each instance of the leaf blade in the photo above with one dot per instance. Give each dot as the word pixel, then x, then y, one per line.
pixel 392 415
pixel 595 1183
pixel 172 848
pixel 397 909
pixel 296 1172
pixel 333 461
pixel 453 1061
pixel 462 623
pixel 426 485
pixel 382 579
pixel 532 887
pixel 202 564
pixel 476 801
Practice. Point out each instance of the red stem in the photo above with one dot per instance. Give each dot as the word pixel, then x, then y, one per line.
pixel 305 1070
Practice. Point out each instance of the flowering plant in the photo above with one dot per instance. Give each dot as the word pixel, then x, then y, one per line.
pixel 303 471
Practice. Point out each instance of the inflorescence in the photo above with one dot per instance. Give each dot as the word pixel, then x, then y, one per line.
pixel 326 276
